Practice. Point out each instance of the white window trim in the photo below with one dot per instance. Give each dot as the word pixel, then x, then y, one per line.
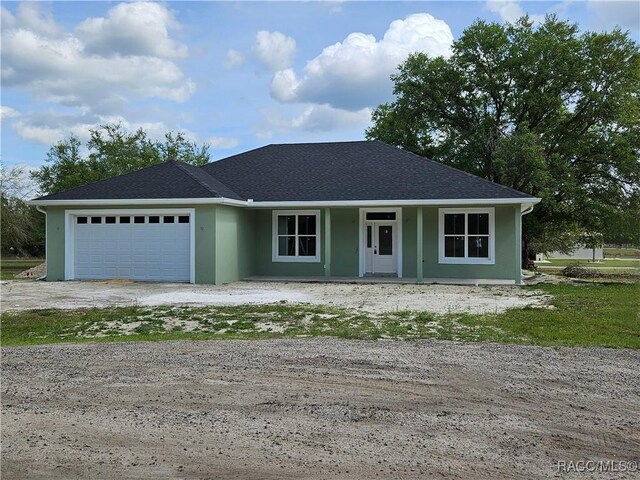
pixel 467 260
pixel 70 225
pixel 274 237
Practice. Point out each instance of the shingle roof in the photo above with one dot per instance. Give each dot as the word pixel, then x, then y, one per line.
pixel 339 171
pixel 164 180
pixel 366 170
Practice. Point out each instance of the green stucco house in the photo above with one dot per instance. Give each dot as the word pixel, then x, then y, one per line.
pixel 314 210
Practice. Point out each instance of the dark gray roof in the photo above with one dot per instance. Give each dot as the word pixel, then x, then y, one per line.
pixel 340 171
pixel 367 170
pixel 164 180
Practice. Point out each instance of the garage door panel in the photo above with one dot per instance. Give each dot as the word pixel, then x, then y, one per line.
pixel 138 251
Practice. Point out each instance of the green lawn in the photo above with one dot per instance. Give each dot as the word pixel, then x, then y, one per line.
pixel 621 252
pixel 580 315
pixel 9 267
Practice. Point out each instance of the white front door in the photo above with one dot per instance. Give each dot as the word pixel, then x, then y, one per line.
pixel 380 247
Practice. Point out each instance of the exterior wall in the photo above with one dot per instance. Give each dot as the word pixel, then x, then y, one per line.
pixel 507 249
pixel 232 243
pixel 262 220
pixel 234 255
pixel 205 228
pixel 344 242
pixel 55 244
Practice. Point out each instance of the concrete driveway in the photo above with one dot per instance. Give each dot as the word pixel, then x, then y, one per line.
pixel 22 295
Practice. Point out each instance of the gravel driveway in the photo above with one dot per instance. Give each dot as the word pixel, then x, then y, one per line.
pixel 20 295
pixel 320 408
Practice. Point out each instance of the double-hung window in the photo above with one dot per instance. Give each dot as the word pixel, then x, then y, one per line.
pixel 466 235
pixel 296 236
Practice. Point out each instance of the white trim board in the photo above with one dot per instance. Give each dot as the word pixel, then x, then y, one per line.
pixel 69 227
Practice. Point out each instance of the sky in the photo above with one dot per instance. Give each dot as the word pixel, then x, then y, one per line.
pixel 232 75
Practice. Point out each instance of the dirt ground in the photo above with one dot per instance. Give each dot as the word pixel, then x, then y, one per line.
pixel 19 295
pixel 320 408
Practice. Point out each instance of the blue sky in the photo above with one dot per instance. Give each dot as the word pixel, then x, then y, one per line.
pixel 234 75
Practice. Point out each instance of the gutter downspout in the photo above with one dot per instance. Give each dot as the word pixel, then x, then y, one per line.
pixel 46 243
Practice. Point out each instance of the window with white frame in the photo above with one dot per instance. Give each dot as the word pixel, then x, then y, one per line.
pixel 467 235
pixel 296 236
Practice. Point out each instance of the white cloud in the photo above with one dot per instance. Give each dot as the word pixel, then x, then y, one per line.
pixel 8 112
pixel 510 10
pixel 138 28
pixel 71 68
pixel 274 49
pixel 222 143
pixel 49 127
pixel 354 74
pixel 611 14
pixel 314 118
pixel 234 59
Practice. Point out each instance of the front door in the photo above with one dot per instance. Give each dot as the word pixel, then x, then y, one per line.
pixel 380 247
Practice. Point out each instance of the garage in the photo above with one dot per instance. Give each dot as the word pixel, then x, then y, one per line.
pixel 142 245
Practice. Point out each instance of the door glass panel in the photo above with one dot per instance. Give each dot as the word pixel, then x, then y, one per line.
pixel 369 231
pixel 385 240
pixel 454 246
pixel 307 246
pixel 479 246
pixel 286 224
pixel 478 223
pixel 454 224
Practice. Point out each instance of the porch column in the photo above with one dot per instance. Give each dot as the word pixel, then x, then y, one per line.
pixel 327 242
pixel 419 246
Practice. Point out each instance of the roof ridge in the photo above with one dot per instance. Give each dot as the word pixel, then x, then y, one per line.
pixel 182 166
pixel 458 170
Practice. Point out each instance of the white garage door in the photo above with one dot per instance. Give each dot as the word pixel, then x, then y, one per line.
pixel 137 247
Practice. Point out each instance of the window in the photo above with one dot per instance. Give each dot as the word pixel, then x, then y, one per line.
pixel 81 220
pixel 125 219
pixel 381 215
pixel 109 219
pixel 466 235
pixel 96 219
pixel 154 219
pixel 183 219
pixel 138 219
pixel 168 219
pixel 296 236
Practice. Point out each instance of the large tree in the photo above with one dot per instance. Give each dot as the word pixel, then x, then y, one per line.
pixel 111 151
pixel 544 109
pixel 21 226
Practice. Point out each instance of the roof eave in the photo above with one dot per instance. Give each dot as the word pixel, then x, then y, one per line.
pixel 525 201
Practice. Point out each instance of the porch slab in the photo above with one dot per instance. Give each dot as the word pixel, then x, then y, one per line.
pixel 378 280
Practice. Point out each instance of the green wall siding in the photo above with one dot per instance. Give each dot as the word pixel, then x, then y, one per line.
pixel 344 242
pixel 409 241
pixel 55 244
pixel 233 243
pixel 204 241
pixel 506 267
pixel 233 250
pixel 262 220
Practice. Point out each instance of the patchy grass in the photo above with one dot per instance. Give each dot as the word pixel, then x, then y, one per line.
pixel 563 262
pixel 621 252
pixel 10 267
pixel 580 315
